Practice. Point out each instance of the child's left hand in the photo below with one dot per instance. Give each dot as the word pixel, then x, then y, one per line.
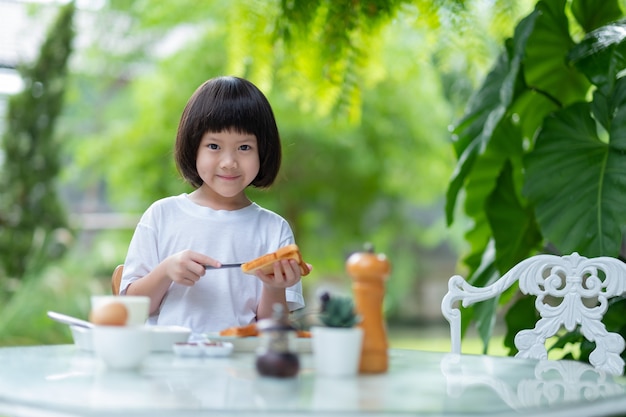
pixel 286 273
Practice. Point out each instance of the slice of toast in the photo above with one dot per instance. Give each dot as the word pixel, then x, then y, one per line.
pixel 249 330
pixel 266 262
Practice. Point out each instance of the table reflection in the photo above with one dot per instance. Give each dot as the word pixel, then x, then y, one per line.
pixel 550 383
pixel 62 381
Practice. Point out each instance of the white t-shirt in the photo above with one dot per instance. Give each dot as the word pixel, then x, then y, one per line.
pixel 222 297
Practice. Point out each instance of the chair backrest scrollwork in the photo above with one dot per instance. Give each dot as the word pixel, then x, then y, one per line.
pixel 571 291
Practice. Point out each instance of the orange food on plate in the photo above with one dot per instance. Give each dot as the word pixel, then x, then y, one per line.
pixel 241 331
pixel 251 330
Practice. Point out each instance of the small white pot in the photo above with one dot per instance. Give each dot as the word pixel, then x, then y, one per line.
pixel 336 351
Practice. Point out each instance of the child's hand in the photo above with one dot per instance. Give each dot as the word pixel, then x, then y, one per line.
pixel 286 273
pixel 187 267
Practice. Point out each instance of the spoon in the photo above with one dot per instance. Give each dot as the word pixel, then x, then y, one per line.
pixel 72 321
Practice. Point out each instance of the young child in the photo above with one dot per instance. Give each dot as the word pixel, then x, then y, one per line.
pixel 227 140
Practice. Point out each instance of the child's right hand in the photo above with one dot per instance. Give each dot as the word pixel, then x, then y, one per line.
pixel 187 267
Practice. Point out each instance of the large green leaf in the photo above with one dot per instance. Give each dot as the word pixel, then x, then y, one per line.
pixel 487 107
pixel 545 67
pixel 481 182
pixel 521 315
pixel 513 223
pixel 504 145
pixel 483 313
pixel 530 108
pixel 592 14
pixel 578 181
pixel 601 54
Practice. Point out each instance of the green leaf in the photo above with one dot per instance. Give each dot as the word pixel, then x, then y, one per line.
pixel 483 313
pixel 570 337
pixel 520 316
pixel 578 182
pixel 545 68
pixel 601 55
pixel 485 318
pixel 513 224
pixel 481 182
pixel 592 14
pixel 486 108
pixel 614 317
pixel 531 108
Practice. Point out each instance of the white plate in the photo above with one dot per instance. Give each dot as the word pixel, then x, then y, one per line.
pixel 163 337
pixel 250 344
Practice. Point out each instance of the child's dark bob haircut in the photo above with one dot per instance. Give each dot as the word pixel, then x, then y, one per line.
pixel 228 104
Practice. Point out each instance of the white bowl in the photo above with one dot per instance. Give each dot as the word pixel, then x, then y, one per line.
pixel 164 337
pixel 82 337
pixel 122 347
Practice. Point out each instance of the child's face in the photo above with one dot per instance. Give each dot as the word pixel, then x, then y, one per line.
pixel 227 162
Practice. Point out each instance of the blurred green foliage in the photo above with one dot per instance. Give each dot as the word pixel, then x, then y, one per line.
pixel 363 115
pixel 33 224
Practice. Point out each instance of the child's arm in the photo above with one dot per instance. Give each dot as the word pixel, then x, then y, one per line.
pixel 184 268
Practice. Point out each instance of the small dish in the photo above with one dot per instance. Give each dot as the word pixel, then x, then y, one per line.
pixel 217 349
pixel 198 349
pixel 250 344
pixel 188 350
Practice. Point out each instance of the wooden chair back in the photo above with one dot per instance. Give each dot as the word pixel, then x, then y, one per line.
pixel 116 279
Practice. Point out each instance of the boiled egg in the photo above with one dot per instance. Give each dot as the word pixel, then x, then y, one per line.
pixel 109 314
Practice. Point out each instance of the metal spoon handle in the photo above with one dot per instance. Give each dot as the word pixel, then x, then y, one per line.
pixel 73 321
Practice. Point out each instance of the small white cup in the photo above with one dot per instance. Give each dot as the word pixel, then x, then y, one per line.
pixel 122 347
pixel 138 306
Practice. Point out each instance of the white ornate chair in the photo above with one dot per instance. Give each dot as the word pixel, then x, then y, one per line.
pixel 582 286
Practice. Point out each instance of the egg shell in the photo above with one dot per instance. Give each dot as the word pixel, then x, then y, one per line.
pixel 109 314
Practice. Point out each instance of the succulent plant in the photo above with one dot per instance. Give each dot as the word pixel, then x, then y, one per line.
pixel 337 311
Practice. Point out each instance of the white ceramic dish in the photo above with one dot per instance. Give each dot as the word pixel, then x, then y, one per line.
pixel 250 344
pixel 162 337
pixel 208 349
pixel 188 350
pixel 217 349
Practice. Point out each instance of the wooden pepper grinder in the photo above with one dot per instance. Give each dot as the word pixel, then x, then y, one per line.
pixel 369 271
